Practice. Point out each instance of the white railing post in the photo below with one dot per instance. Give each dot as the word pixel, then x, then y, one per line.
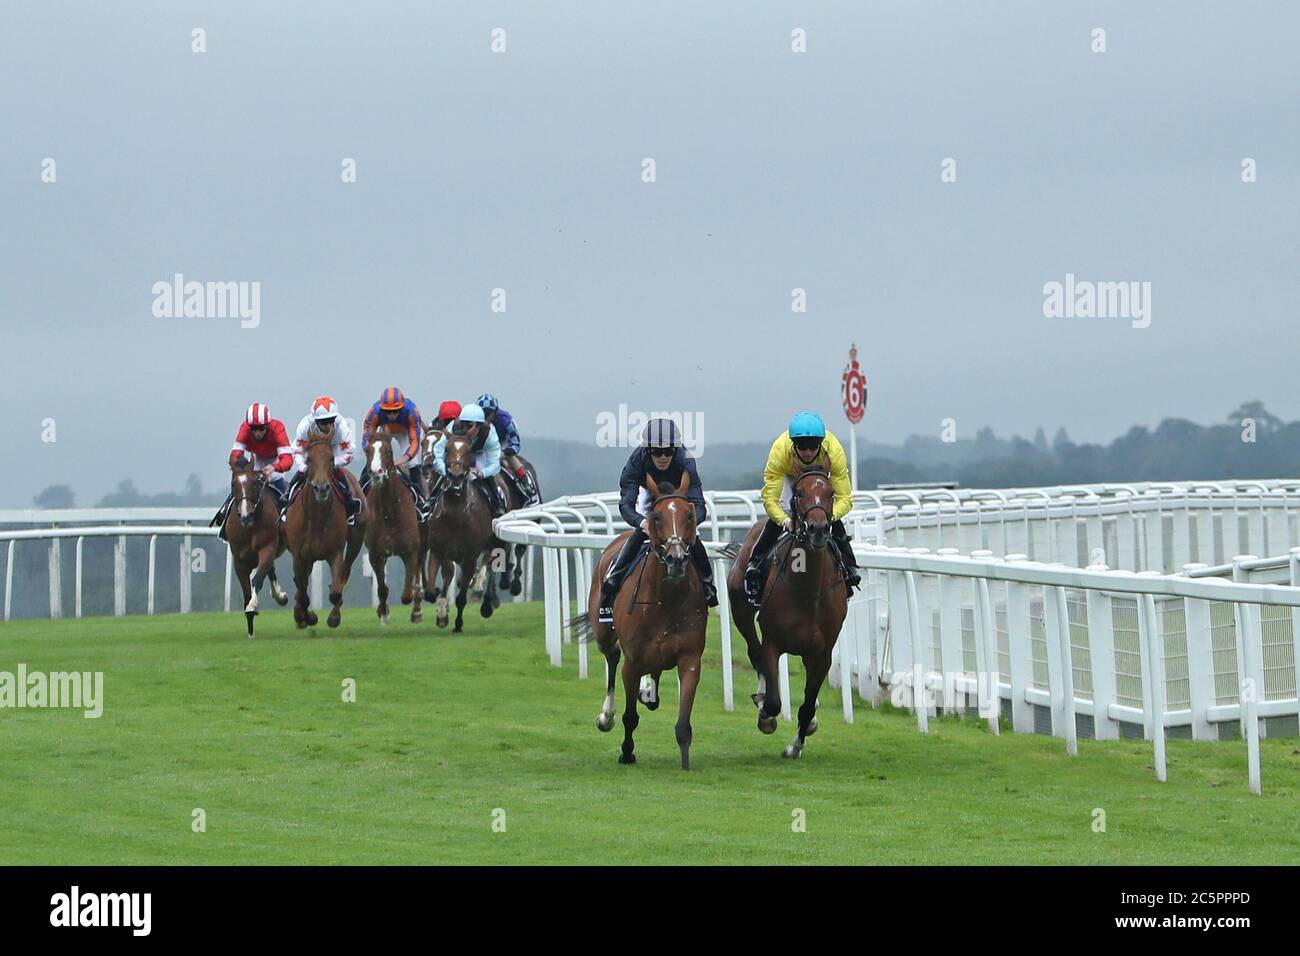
pixel 1060 668
pixel 225 601
pixel 56 579
pixel 153 548
pixel 1295 621
pixel 724 622
pixel 950 642
pixel 1151 652
pixel 119 577
pixel 920 694
pixel 1200 661
pixel 9 578
pixel 1018 651
pixel 80 541
pixel 1101 653
pixel 186 580
pixel 551 597
pixel 988 684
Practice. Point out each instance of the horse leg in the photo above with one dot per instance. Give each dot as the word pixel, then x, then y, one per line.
pixel 244 571
pixel 431 563
pixel 490 600
pixel 605 722
pixel 462 595
pixel 377 564
pixel 516 585
pixel 630 718
pixel 649 691
pixel 414 589
pixel 277 592
pixel 771 706
pixel 742 616
pixel 688 672
pixel 816 669
pixel 338 578
pixel 303 616
pixel 448 571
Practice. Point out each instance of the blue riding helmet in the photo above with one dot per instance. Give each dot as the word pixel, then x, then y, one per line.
pixel 488 402
pixel 807 425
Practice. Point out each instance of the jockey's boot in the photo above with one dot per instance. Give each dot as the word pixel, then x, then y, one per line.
pixel 758 560
pixel 847 559
pixel 365 478
pixel 493 494
pixel 295 484
pixel 615 574
pixel 219 519
pixel 700 557
pixel 529 487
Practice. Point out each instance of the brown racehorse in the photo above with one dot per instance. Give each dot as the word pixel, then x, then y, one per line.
pixel 660 616
pixel 805 601
pixel 393 529
pixel 317 529
pixel 514 556
pixel 253 533
pixel 460 533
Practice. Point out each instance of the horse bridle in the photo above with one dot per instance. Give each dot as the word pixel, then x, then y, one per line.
pixel 259 483
pixel 801 519
pixel 661 549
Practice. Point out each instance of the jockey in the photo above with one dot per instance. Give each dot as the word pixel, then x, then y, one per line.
pixel 487 454
pixel 805 446
pixel 448 412
pixel 324 419
pixel 661 457
pixel 508 435
pixel 394 418
pixel 262 438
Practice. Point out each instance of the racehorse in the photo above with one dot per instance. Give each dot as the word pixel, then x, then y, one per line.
pixel 253 533
pixel 317 529
pixel 805 601
pixel 660 616
pixel 393 529
pixel 514 499
pixel 460 532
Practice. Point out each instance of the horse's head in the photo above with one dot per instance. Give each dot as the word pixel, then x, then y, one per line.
pixel 430 441
pixel 813 499
pixel 381 460
pixel 320 466
pixel 246 488
pixel 671 525
pixel 458 457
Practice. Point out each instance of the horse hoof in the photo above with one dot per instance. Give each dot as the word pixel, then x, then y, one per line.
pixel 792 752
pixel 627 758
pixel 250 615
pixel 503 581
pixel 441 621
pixel 281 599
pixel 383 619
pixel 767 724
pixel 311 618
pixel 457 629
pixel 812 728
pixel 486 610
pixel 334 619
pixel 417 616
pixel 516 588
pixel 604 724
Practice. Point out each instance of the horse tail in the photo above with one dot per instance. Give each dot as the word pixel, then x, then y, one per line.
pixel 581 629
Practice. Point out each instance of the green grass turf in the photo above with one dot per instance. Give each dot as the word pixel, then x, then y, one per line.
pixel 446 729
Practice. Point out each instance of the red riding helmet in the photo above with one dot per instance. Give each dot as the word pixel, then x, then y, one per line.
pixel 449 410
pixel 258 415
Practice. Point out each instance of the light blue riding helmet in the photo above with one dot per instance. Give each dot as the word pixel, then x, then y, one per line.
pixel 472 413
pixel 807 425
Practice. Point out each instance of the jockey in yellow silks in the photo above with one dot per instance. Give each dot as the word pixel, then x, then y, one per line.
pixel 805 446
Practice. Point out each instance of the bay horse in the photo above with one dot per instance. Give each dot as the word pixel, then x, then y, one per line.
pixel 317 529
pixel 253 534
pixel 459 534
pixel 804 605
pixel 660 616
pixel 514 556
pixel 393 529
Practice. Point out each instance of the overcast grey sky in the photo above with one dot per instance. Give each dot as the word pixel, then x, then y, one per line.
pixel 522 170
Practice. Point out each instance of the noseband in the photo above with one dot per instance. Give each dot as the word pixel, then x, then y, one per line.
pixel 661 550
pixel 801 524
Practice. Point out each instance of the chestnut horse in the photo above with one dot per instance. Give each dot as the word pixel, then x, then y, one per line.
pixel 317 529
pixel 460 532
pixel 514 555
pixel 804 604
pixel 253 533
pixel 660 616
pixel 393 529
